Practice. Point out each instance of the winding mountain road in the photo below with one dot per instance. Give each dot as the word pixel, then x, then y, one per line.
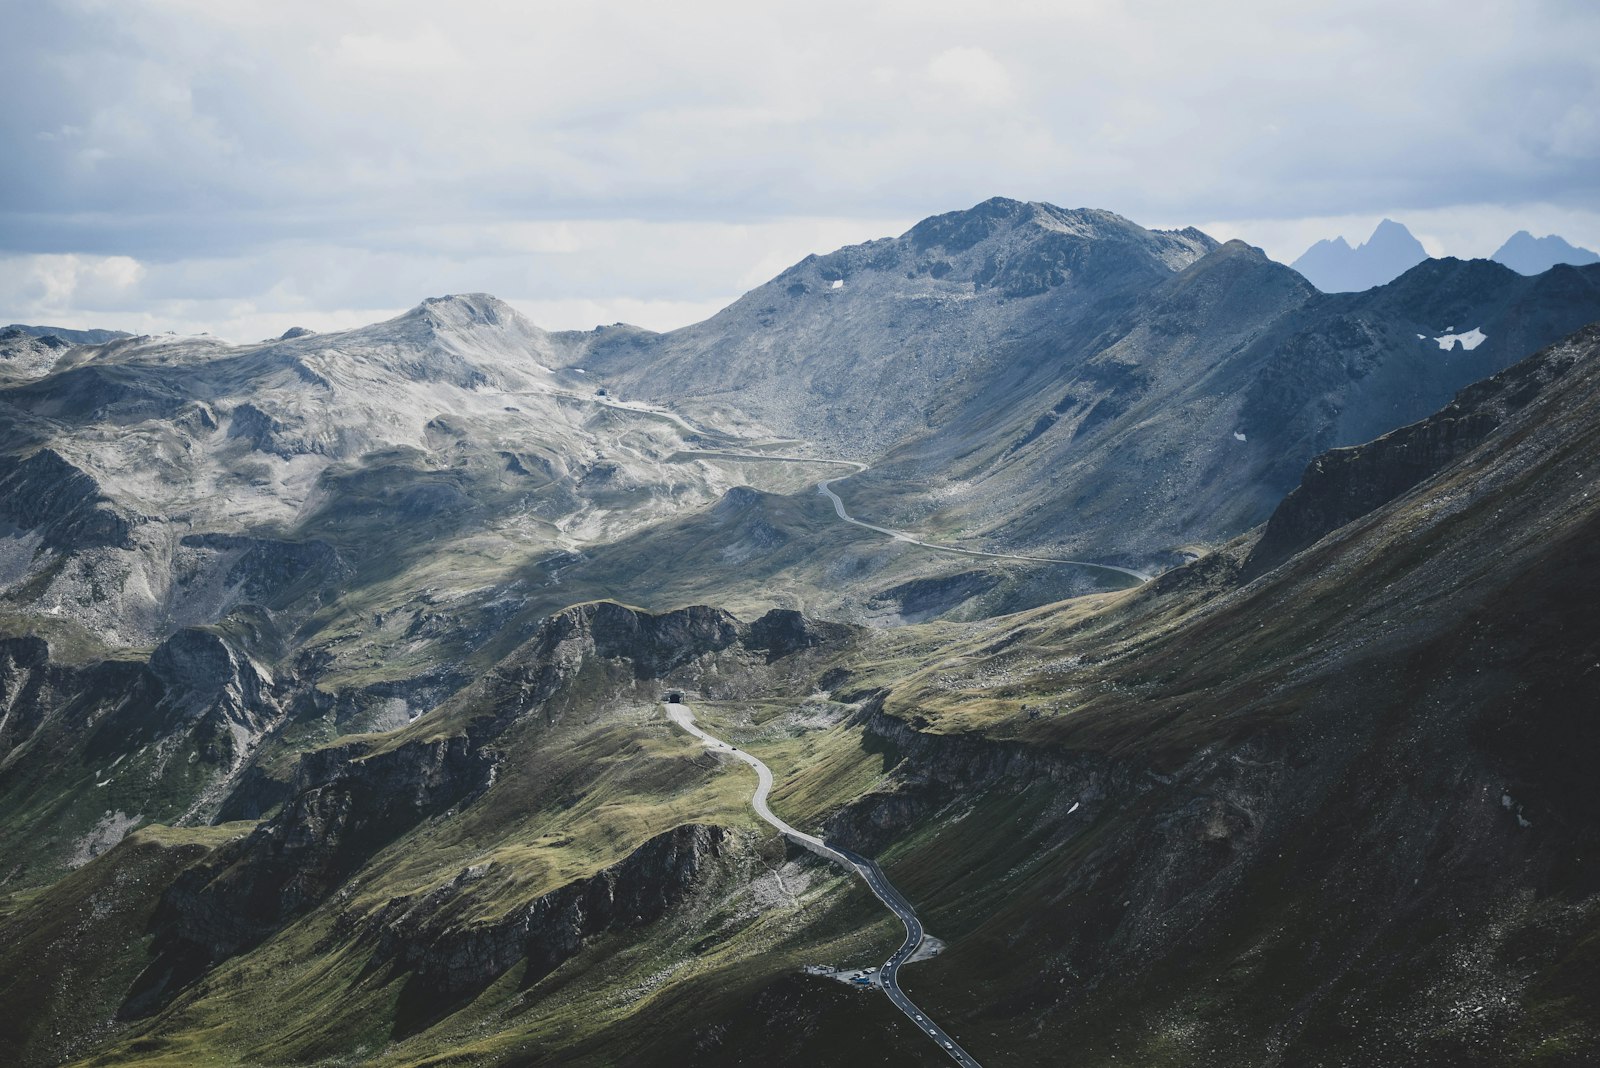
pixel 826 487
pixel 889 974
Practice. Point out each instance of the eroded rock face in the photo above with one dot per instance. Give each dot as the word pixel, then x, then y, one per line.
pixel 1345 484
pixel 452 961
pixel 782 632
pixel 934 769
pixel 348 801
pixel 82 742
pixel 24 676
pixel 264 569
pixel 28 355
pixel 215 692
pixel 49 709
pixel 63 503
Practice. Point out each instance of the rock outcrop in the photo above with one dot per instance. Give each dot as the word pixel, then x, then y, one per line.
pixel 348 801
pixel 449 961
pixel 46 493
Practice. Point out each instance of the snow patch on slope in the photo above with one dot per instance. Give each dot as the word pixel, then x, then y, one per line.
pixel 1469 339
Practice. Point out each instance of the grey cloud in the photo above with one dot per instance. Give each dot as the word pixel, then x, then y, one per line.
pixel 183 131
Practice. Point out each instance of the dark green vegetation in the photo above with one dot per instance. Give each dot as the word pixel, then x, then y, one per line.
pixel 1341 814
pixel 343 631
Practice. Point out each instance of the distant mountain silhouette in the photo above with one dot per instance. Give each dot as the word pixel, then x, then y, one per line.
pixel 1334 267
pixel 1527 254
pixel 76 337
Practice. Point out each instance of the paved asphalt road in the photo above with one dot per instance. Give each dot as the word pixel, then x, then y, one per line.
pixel 826 487
pixel 889 974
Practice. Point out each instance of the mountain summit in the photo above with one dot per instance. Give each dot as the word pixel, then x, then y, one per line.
pixel 1334 267
pixel 861 347
pixel 1527 254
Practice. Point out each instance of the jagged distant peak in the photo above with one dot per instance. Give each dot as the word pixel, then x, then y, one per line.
pixel 1333 266
pixel 1388 234
pixel 1332 242
pixel 1527 254
pixel 75 336
pixel 1388 230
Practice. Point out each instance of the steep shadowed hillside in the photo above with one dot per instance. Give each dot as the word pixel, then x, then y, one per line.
pixel 1186 420
pixel 1336 814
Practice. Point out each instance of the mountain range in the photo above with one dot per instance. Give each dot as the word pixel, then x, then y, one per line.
pixel 1334 267
pixel 1012 370
pixel 331 670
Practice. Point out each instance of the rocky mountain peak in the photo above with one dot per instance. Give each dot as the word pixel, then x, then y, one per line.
pixel 1236 263
pixel 469 339
pixel 1001 221
pixel 468 310
pixel 1390 232
pixel 1333 266
pixel 1236 251
pixel 1465 280
pixel 473 318
pixel 1527 254
pixel 957 231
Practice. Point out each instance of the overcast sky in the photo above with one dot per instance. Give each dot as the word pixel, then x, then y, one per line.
pixel 243 166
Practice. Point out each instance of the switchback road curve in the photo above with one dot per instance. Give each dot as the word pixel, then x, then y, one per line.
pixel 889 974
pixel 826 487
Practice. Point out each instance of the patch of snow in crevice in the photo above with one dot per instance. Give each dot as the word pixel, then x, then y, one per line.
pixel 1507 803
pixel 1238 436
pixel 1469 339
pixel 838 283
